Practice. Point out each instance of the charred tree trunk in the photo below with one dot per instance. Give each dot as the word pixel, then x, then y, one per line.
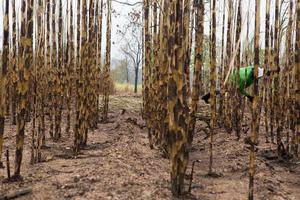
pixel 197 84
pixel 163 81
pixel 23 83
pixel 77 49
pixel 289 65
pixel 267 63
pixel 146 84
pixel 3 76
pixel 213 62
pixel 177 101
pixel 68 63
pixel 277 98
pixel 238 98
pixel 297 84
pixel 224 102
pixel 107 63
pixel 255 106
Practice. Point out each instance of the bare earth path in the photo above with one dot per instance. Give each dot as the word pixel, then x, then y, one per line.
pixel 118 164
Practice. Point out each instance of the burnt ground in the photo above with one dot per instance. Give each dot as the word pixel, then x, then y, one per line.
pixel 118 164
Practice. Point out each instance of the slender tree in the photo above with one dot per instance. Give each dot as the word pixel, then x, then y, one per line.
pixel 51 27
pixel 77 49
pixel 197 86
pixel 186 42
pixel 68 63
pixel 213 62
pixel 57 92
pixel 277 99
pixel 154 75
pixel 23 83
pixel 255 106
pixel 238 99
pixel 289 66
pixel 14 64
pixel 99 40
pixel 146 83
pixel 266 62
pixel 177 101
pixel 163 81
pixel 3 75
pixel 224 103
pixel 297 83
pixel 107 62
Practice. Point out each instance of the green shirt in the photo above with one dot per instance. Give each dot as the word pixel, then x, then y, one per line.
pixel 246 78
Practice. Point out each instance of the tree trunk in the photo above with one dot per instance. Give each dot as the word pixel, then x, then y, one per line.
pixel 52 59
pixel 224 102
pixel 57 81
pixel 255 107
pixel 197 85
pixel 3 75
pixel 147 49
pixel 266 67
pixel 69 51
pixel 23 84
pixel 297 83
pixel 213 60
pixel 127 72
pixel 77 48
pixel 107 63
pixel 277 98
pixel 289 66
pixel 177 101
pixel 238 98
pixel 136 72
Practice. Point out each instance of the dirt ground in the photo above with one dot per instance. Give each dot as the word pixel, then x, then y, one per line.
pixel 118 164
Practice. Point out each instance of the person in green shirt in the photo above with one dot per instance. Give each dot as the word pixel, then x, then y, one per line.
pixel 246 79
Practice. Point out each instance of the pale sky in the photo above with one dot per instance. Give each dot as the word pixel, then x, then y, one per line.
pixel 120 20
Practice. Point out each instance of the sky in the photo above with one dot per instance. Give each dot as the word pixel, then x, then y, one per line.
pixel 121 11
pixel 121 21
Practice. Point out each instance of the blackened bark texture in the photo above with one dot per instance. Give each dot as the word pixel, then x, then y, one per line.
pixel 213 61
pixel 177 101
pixel 107 62
pixel 237 116
pixel 297 84
pixel 23 83
pixel 3 75
pixel 255 107
pixel 197 85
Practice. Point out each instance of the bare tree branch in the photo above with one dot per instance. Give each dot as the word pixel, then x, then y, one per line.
pixel 128 4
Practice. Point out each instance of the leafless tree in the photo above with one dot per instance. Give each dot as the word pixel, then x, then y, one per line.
pixel 133 43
